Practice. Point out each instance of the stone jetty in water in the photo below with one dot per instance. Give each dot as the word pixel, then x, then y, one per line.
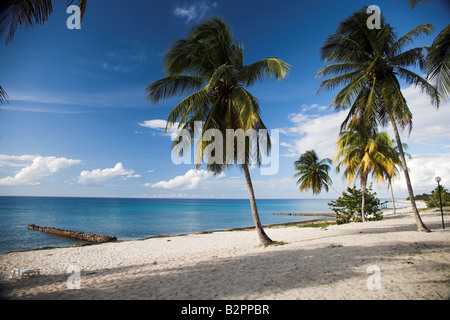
pixel 85 236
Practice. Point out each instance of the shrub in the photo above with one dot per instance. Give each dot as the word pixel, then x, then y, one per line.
pixel 433 199
pixel 348 206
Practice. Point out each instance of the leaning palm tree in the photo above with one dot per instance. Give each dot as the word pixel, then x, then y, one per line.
pixel 367 64
pixel 208 66
pixel 363 152
pixel 313 172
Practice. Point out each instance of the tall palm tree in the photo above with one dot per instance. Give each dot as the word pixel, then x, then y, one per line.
pixel 313 172
pixel 208 65
pixel 367 63
pixel 364 152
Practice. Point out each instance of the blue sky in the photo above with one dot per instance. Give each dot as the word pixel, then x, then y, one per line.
pixel 78 123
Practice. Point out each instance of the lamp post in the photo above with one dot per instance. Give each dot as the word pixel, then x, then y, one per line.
pixel 438 179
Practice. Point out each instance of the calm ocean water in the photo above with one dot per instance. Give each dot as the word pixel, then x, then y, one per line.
pixel 134 218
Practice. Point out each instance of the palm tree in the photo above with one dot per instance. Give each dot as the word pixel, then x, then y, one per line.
pixel 27 12
pixel 366 63
pixel 313 173
pixel 363 151
pixel 389 175
pixel 438 62
pixel 208 65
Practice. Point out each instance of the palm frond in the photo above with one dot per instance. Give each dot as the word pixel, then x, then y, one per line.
pixel 270 67
pixel 412 78
pixel 3 96
pixel 413 3
pixel 409 37
pixel 438 62
pixel 81 4
pixel 14 13
pixel 192 108
pixel 171 86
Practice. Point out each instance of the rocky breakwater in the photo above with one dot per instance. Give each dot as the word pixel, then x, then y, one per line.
pixel 85 236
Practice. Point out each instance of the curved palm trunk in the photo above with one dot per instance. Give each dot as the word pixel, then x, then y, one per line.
pixel 392 196
pixel 329 186
pixel 363 201
pixel 420 225
pixel 263 237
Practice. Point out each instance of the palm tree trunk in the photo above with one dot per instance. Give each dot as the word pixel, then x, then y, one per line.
pixel 329 186
pixel 420 225
pixel 363 201
pixel 263 237
pixel 392 196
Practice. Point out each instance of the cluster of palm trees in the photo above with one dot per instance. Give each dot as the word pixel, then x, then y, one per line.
pixel 368 65
pixel 208 66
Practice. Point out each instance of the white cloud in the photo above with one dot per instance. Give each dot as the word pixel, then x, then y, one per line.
pixel 320 132
pixel 423 168
pixel 430 125
pixel 313 132
pixel 32 173
pixel 160 125
pixel 99 176
pixel 195 11
pixel 190 180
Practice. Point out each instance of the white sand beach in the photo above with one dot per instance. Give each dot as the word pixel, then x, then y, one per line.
pixel 315 263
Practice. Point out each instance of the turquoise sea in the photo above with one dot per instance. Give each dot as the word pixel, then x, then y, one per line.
pixel 130 218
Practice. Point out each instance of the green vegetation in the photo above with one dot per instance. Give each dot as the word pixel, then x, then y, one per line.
pixel 432 200
pixel 348 208
pixel 275 243
pixel 312 172
pixel 315 224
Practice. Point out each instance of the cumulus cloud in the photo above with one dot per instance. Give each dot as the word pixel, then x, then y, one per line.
pixel 194 12
pixel 34 168
pixel 190 180
pixel 100 176
pixel 430 125
pixel 160 125
pixel 423 168
pixel 313 129
pixel 318 132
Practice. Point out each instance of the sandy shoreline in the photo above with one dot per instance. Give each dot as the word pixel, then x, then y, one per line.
pixel 315 263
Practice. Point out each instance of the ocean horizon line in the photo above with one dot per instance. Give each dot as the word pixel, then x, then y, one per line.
pixel 160 198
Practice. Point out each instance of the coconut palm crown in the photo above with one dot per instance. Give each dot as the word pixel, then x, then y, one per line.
pixel 207 66
pixel 312 172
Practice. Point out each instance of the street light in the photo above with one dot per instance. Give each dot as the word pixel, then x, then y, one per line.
pixel 438 179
